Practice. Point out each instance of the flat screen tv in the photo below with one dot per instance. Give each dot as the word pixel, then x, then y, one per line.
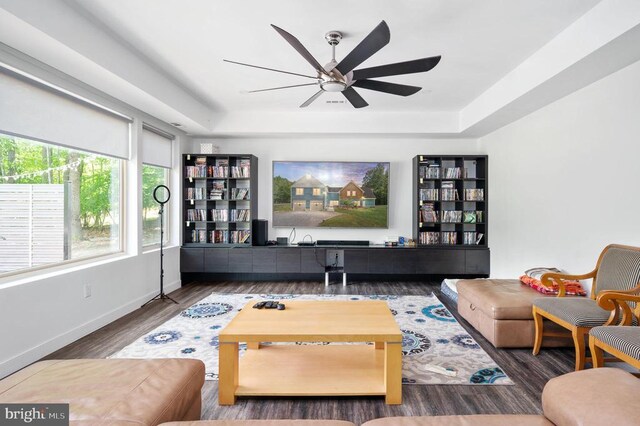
pixel 331 194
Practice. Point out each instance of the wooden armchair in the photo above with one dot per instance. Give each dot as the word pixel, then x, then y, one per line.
pixel 617 270
pixel 620 336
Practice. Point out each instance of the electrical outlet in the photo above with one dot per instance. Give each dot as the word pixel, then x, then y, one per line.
pixel 87 290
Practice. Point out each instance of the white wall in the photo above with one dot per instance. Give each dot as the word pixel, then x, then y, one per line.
pixel 399 152
pixel 40 316
pixel 564 180
pixel 42 311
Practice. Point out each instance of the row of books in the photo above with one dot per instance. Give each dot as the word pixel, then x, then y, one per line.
pixel 449 238
pixel 220 215
pixel 433 194
pixel 472 238
pixel 194 215
pixel 239 193
pixel 434 171
pixel 474 194
pixel 429 214
pixel 243 169
pixel 432 238
pixel 240 215
pixel 196 193
pixel 452 216
pixel 206 171
pixel 220 236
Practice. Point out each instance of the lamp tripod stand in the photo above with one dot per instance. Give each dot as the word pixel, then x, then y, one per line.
pixel 162 202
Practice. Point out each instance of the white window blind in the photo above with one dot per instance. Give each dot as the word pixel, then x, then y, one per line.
pixel 156 148
pixel 34 110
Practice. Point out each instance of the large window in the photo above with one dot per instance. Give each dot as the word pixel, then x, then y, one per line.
pixel 152 176
pixel 56 204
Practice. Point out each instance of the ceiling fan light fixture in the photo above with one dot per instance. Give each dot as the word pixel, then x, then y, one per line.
pixel 333 86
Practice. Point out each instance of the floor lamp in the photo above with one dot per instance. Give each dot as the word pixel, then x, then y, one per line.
pixel 162 202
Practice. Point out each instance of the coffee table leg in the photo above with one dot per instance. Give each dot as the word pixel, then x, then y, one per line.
pixel 393 372
pixel 227 373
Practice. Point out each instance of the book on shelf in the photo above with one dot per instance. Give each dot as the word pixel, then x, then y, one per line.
pixel 430 171
pixel 195 193
pixel 217 190
pixel 239 193
pixel 239 237
pixel 472 216
pixel 449 238
pixel 240 215
pixel 220 215
pixel 428 194
pixel 196 215
pixel 428 213
pixel 472 238
pixel 199 236
pixel 429 238
pixel 454 173
pixel 449 191
pixel 242 170
pixel 219 236
pixel 474 194
pixel 195 171
pixel 451 216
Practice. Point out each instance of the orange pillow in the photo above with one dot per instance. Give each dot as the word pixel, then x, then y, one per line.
pixel 572 288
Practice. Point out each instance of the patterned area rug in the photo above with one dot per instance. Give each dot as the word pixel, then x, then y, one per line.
pixel 432 338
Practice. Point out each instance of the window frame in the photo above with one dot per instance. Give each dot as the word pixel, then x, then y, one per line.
pixel 121 251
pixel 167 214
pixel 299 191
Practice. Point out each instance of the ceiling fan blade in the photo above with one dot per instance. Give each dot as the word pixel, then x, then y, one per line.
pixel 354 98
pixel 311 99
pixel 376 40
pixel 383 86
pixel 295 43
pixel 408 67
pixel 282 87
pixel 269 69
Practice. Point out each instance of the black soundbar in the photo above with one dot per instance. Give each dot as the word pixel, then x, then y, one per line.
pixel 342 242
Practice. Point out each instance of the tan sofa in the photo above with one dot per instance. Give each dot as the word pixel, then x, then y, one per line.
pixel 501 310
pixel 112 391
pixel 596 397
pixel 601 396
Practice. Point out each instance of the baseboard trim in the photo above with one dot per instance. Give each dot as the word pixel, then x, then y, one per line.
pixel 37 352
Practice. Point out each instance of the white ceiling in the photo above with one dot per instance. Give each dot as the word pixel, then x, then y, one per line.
pixel 502 59
pixel 480 42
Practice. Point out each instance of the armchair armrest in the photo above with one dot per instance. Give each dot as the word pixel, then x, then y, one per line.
pixel 618 302
pixel 550 277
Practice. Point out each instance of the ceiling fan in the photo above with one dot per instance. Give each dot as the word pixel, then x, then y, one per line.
pixel 343 77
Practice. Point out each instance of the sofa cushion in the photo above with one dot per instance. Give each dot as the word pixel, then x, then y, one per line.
pixel 262 423
pixel 111 391
pixel 499 299
pixel 599 396
pixel 577 311
pixel 626 339
pixel 475 420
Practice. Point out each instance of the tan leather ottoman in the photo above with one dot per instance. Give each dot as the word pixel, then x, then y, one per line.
pixel 501 311
pixel 144 392
pixel 262 423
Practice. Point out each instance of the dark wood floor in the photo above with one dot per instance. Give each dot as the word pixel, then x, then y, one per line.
pixel 528 372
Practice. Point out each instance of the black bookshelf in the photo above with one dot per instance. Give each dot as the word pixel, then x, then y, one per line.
pixel 220 198
pixel 450 201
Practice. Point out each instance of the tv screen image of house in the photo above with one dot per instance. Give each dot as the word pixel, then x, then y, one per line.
pixel 331 194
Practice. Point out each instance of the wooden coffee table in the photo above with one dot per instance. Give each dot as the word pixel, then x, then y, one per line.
pixel 312 370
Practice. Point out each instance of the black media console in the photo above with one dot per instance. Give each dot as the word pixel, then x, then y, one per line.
pixel 366 262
